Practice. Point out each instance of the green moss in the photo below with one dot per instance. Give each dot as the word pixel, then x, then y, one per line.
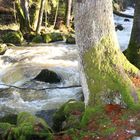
pixel 47 38
pixel 71 39
pixel 52 37
pixel 13 37
pixel 37 39
pixel 133 53
pixel 3 48
pixel 107 72
pixel 108 131
pixel 28 127
pixel 65 114
pixel 90 113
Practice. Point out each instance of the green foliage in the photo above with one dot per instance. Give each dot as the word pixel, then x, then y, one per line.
pixel 27 128
pixel 13 37
pixel 89 113
pixel 65 114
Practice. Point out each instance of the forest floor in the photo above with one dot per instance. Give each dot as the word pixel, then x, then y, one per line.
pixel 125 124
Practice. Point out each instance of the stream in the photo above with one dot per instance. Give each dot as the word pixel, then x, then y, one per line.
pixel 20 65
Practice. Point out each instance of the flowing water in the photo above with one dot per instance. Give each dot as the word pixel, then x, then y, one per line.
pixel 19 65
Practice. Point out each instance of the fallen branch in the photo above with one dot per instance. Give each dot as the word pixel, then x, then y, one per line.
pixel 24 88
pixel 122 14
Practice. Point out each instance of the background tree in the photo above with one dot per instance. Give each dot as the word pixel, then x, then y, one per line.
pixel 105 71
pixel 133 51
pixel 40 17
pixel 22 7
pixel 68 12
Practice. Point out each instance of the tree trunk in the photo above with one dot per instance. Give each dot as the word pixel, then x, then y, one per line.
pixel 23 15
pixel 69 6
pixel 34 14
pixel 56 14
pixel 40 16
pixel 104 69
pixel 133 51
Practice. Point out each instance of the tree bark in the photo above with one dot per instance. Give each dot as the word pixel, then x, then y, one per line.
pixel 34 14
pixel 69 7
pixel 104 69
pixel 23 15
pixel 40 16
pixel 56 14
pixel 133 51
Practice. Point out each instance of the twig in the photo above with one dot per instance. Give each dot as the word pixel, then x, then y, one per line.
pixel 24 88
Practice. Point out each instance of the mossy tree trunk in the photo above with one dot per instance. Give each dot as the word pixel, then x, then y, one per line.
pixel 133 51
pixel 105 71
pixel 23 15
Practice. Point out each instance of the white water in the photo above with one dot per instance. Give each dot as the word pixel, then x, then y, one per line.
pixel 124 35
pixel 19 65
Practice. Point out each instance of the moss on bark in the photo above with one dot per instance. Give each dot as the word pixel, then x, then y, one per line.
pixel 107 71
pixel 133 53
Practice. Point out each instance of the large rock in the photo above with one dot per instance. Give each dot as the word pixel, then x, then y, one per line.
pixel 48 76
pixel 3 48
pixel 37 39
pixel 14 37
pixel 52 37
pixel 71 39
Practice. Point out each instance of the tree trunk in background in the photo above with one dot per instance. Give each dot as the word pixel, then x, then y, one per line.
pixel 133 51
pixel 56 14
pixel 20 16
pixel 69 7
pixel 25 7
pixel 34 13
pixel 104 69
pixel 40 16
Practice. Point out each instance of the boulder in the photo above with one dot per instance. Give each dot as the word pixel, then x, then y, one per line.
pixel 127 20
pixel 70 39
pixel 48 76
pixel 37 39
pixel 52 37
pixel 3 48
pixel 119 27
pixel 14 37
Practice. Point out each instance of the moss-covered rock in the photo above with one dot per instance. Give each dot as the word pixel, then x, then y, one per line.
pixel 52 37
pixel 68 115
pixel 3 48
pixel 28 127
pixel 37 39
pixel 70 39
pixel 14 37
